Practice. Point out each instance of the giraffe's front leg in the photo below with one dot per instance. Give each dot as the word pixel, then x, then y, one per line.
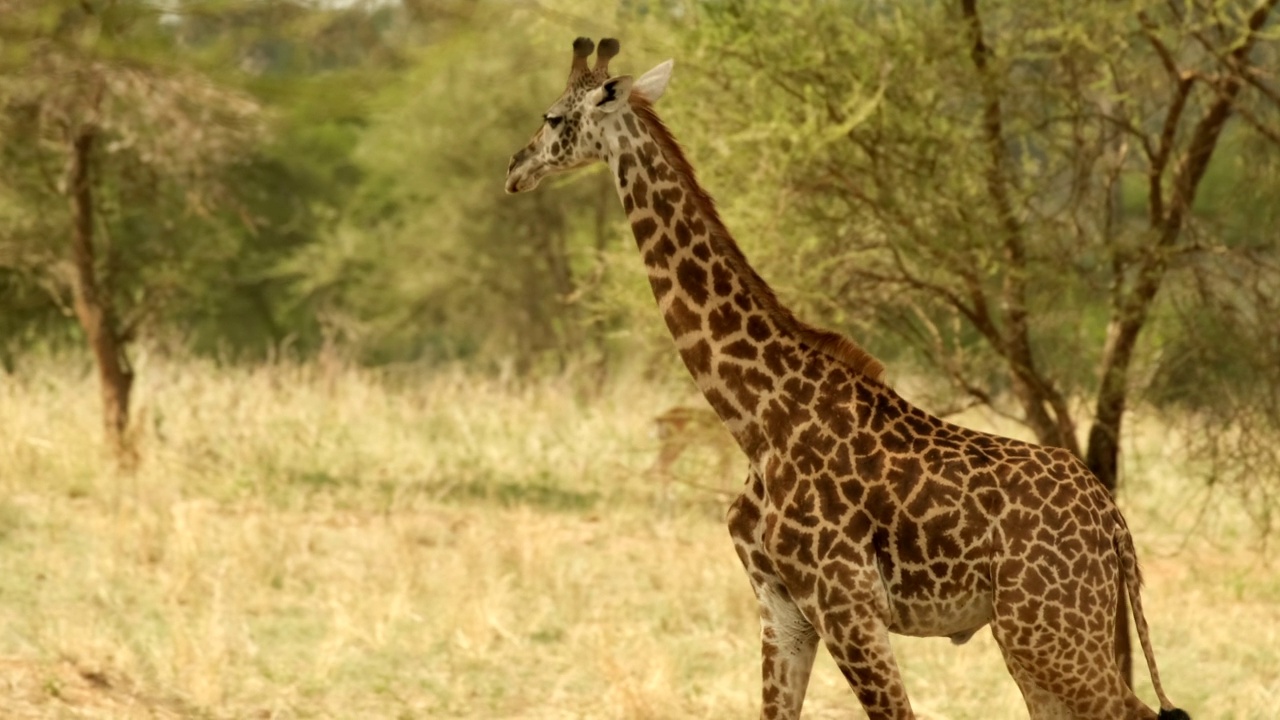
pixel 788 641
pixel 854 625
pixel 788 644
pixel 866 661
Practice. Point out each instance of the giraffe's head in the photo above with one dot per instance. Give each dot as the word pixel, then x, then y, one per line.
pixel 576 128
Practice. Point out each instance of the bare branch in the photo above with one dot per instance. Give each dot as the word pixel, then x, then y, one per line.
pixel 1204 138
pixel 1149 28
pixel 1130 129
pixel 1269 132
pixel 936 351
pixel 1250 75
pixel 1164 146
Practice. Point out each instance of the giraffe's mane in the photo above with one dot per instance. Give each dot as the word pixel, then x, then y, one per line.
pixel 828 342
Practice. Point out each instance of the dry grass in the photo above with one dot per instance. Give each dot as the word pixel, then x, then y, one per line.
pixel 312 543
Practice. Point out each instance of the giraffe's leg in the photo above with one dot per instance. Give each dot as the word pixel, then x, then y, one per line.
pixel 1057 637
pixel 788 646
pixel 1041 704
pixel 854 625
pixel 866 660
pixel 788 641
pixel 1072 697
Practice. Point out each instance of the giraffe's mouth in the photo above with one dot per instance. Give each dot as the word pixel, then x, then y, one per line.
pixel 520 184
pixel 525 172
pixel 522 173
pixel 520 180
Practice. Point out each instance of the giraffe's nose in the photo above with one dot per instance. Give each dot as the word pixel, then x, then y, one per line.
pixel 515 159
pixel 513 177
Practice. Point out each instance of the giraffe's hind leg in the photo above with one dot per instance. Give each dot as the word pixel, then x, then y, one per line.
pixel 1057 634
pixel 1042 704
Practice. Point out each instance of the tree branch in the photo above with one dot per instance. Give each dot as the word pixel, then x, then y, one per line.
pixel 1183 82
pixel 1204 139
pixel 1033 390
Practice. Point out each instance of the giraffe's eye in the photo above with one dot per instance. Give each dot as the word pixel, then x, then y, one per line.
pixel 553 121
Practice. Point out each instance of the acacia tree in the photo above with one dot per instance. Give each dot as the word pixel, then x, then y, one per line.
pixel 116 153
pixel 1015 189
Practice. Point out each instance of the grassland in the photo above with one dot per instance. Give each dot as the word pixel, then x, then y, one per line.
pixel 323 542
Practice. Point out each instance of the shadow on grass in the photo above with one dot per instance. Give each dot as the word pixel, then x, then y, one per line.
pixel 538 495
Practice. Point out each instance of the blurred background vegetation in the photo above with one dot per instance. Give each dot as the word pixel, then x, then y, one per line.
pixel 1059 212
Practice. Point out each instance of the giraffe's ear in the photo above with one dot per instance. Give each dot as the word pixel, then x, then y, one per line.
pixel 611 95
pixel 653 83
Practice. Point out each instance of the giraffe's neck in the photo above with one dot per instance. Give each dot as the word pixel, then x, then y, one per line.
pixel 741 345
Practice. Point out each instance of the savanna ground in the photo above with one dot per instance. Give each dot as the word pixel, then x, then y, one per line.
pixel 324 542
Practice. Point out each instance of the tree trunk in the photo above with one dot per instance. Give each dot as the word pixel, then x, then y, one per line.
pixel 1103 459
pixel 93 304
pixel 1044 408
pixel 1102 454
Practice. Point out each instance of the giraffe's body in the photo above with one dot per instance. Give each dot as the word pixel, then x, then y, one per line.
pixel 862 515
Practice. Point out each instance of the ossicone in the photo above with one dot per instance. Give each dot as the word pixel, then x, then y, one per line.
pixel 582 48
pixel 579 74
pixel 609 47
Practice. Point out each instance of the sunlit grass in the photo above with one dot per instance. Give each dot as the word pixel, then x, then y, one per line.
pixel 320 541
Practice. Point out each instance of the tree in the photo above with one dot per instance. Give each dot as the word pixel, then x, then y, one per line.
pixel 1014 189
pixel 105 123
pixel 317 71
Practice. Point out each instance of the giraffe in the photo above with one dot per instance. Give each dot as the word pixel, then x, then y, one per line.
pixel 861 515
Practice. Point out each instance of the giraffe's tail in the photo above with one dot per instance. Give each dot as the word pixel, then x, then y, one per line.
pixel 1131 576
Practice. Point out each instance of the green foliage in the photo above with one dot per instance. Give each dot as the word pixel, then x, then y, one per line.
pixel 432 259
pixel 871 121
pixel 163 136
pixel 862 130
pixel 228 130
